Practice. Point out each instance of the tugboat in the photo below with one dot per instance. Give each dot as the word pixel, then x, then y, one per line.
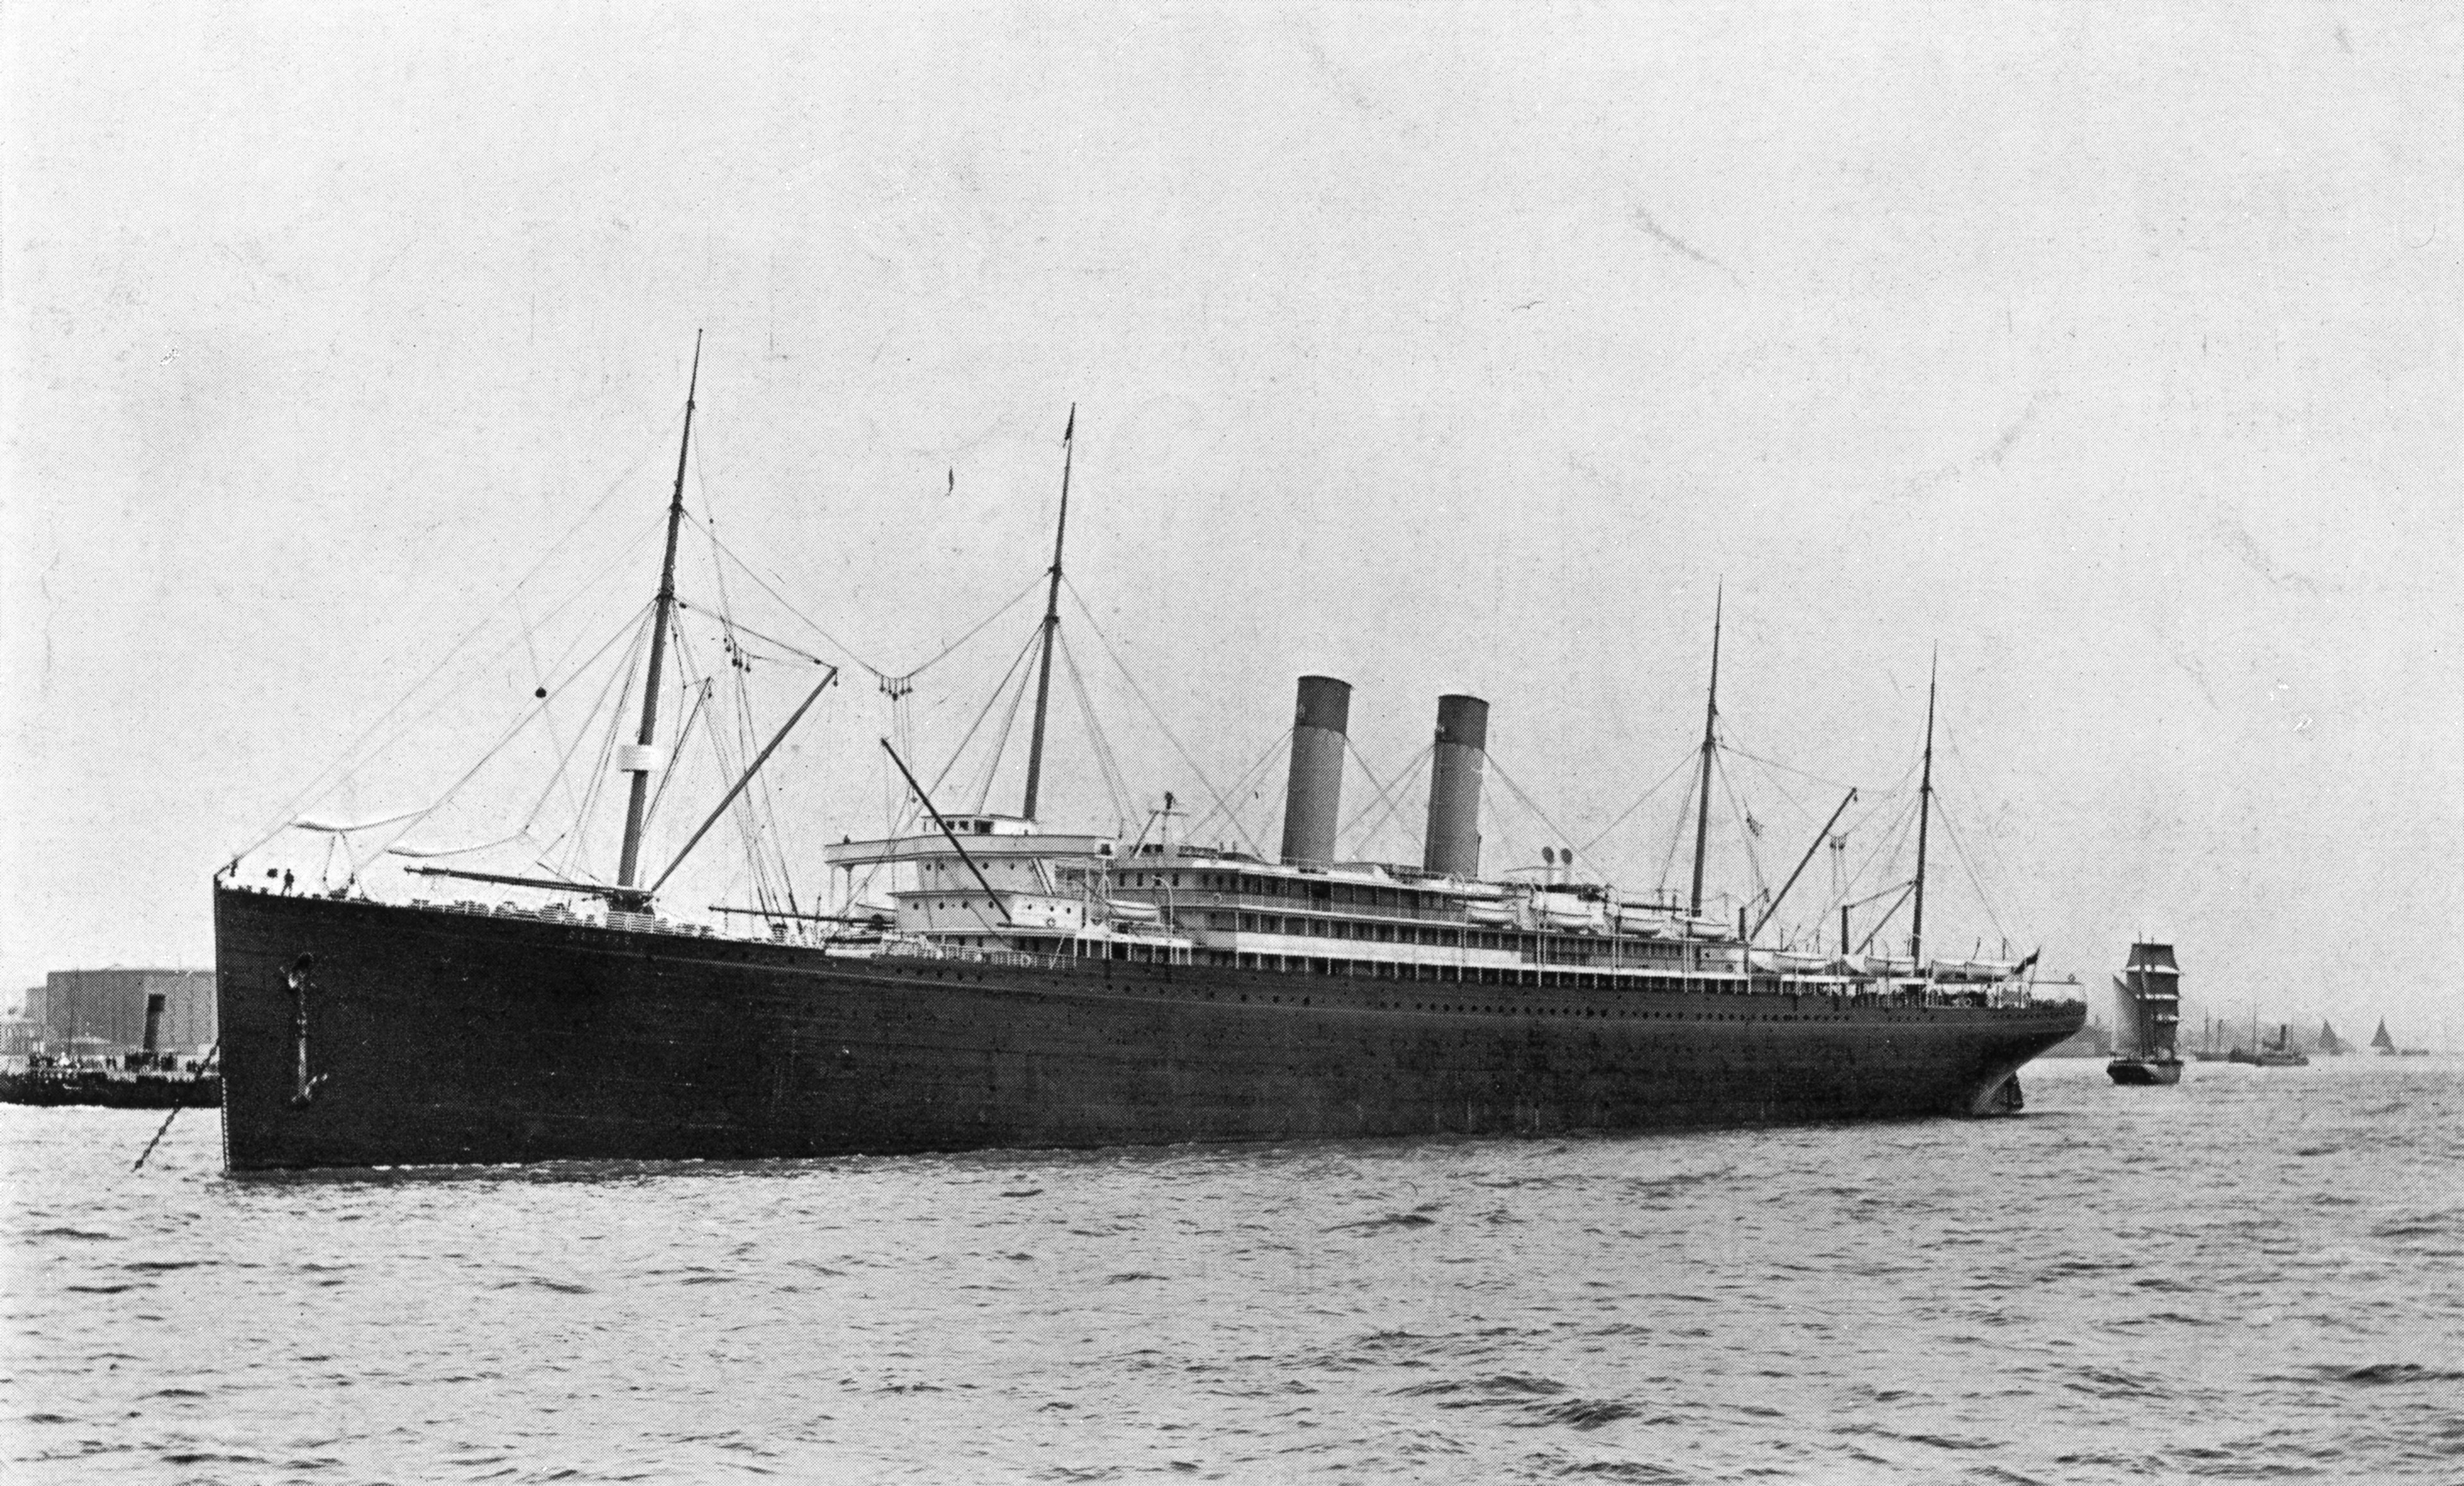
pixel 2150 987
pixel 2279 1052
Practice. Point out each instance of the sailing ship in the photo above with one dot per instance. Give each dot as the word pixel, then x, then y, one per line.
pixel 2331 1045
pixel 2149 991
pixel 1027 987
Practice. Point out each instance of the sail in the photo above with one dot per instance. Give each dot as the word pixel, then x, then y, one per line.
pixel 2157 957
pixel 2328 1041
pixel 2382 1042
pixel 2125 1020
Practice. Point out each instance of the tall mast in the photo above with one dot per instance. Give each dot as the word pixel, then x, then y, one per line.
pixel 1925 818
pixel 1051 622
pixel 1710 717
pixel 665 602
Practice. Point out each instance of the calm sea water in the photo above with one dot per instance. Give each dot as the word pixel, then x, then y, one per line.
pixel 2259 1274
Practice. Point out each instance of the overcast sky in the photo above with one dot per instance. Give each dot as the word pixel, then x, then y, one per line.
pixel 2115 350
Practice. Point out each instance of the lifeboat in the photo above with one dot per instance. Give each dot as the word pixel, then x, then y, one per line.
pixel 1566 910
pixel 1792 962
pixel 1647 921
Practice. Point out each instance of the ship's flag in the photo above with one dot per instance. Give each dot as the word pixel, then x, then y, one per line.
pixel 2030 960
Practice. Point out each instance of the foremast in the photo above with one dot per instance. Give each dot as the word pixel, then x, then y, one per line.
pixel 629 895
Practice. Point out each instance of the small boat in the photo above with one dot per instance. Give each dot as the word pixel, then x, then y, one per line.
pixel 147 1079
pixel 1795 962
pixel 2150 990
pixel 137 1080
pixel 2385 1045
pixel 1560 909
pixel 2276 1053
pixel 1648 921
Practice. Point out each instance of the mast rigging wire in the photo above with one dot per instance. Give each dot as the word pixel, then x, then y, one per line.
pixel 361 749
pixel 1007 730
pixel 599 773
pixel 1254 773
pixel 1391 800
pixel 1689 756
pixel 414 816
pixel 508 735
pixel 1746 832
pixel 1153 711
pixel 1507 779
pixel 1107 765
pixel 991 700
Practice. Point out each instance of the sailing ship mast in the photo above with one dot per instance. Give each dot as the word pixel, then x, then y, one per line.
pixel 1710 717
pixel 664 604
pixel 1051 622
pixel 1925 818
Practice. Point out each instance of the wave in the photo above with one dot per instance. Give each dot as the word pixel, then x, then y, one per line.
pixel 2376 1375
pixel 1390 1220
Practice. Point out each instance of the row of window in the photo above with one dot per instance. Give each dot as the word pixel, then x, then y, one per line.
pixel 1467 974
pixel 1365 895
pixel 1437 935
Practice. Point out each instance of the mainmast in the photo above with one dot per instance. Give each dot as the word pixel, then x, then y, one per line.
pixel 1710 717
pixel 1925 818
pixel 661 608
pixel 1051 622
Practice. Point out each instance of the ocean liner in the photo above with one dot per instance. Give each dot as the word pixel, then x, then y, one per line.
pixel 1031 988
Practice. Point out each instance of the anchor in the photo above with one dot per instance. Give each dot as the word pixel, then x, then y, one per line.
pixel 304 1089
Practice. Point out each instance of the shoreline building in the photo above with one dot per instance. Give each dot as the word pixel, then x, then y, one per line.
pixel 93 1013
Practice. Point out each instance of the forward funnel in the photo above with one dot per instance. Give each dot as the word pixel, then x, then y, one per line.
pixel 1314 797
pixel 1454 786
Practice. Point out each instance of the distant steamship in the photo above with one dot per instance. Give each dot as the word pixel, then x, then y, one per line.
pixel 1035 989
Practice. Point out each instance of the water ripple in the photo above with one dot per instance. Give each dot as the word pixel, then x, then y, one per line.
pixel 2239 1277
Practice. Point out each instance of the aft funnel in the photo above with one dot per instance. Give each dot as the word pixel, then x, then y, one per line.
pixel 1454 786
pixel 1315 797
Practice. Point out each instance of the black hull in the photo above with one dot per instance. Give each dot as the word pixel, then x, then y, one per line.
pixel 2144 1071
pixel 112 1090
pixel 439 1037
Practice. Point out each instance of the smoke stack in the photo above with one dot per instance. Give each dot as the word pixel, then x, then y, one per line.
pixel 1315 797
pixel 153 1020
pixel 1454 787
